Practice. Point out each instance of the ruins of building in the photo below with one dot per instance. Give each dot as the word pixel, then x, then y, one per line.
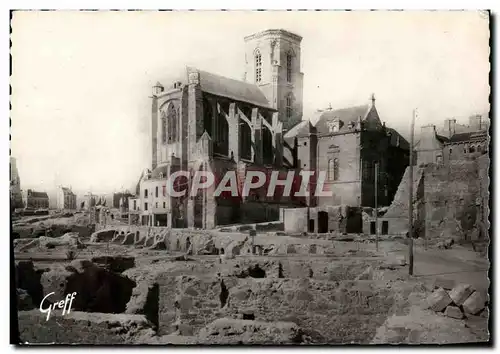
pixel 35 200
pixel 456 142
pixel 89 201
pixel 66 199
pixel 120 199
pixel 451 185
pixel 16 197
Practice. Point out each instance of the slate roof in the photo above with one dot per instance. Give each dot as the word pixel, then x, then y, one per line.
pixel 346 115
pixel 160 169
pixel 403 143
pixel 35 194
pixel 233 89
pixel 295 129
pixel 460 137
pixel 442 139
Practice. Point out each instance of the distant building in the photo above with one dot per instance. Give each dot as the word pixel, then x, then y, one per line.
pixel 66 199
pixel 16 198
pixel 453 142
pixel 89 201
pixel 121 199
pixel 35 200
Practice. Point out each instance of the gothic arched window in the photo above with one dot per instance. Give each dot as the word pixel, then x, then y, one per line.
pixel 289 67
pixel 245 140
pixel 258 66
pixel 172 123
pixel 163 127
pixel 289 102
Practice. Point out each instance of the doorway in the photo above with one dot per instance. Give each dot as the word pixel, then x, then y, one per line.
pixel 385 227
pixel 322 222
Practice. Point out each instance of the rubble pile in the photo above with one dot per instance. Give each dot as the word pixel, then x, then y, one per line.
pixel 236 331
pixel 70 239
pixel 463 300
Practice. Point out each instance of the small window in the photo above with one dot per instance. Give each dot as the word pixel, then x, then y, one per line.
pixel 156 192
pixel 305 143
pixel 164 205
pixel 451 151
pixel 145 193
pixel 156 205
pixel 145 206
pixel 135 204
pixel 472 149
pixel 439 159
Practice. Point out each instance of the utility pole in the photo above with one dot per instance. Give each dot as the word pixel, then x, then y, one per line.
pixel 410 198
pixel 376 205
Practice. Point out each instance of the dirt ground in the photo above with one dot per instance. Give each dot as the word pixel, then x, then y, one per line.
pixel 405 321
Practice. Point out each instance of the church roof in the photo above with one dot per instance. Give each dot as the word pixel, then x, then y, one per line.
pixel 230 88
pixel 295 129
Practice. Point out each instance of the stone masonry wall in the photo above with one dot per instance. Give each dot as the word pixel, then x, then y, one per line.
pixel 327 310
pixel 450 196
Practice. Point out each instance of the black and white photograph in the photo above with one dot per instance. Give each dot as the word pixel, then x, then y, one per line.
pixel 244 177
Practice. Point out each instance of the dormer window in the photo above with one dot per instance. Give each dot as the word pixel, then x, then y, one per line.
pixel 333 125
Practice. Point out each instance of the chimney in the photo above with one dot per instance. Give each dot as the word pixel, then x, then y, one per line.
pixel 475 122
pixel 450 127
pixel 428 130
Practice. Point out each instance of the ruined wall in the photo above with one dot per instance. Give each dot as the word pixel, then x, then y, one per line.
pixel 397 213
pixel 295 220
pixel 445 198
pixel 450 196
pixel 198 301
pixel 79 327
pixel 484 189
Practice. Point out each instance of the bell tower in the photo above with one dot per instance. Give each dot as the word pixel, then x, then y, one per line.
pixel 272 62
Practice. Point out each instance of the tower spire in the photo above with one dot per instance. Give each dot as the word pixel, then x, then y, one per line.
pixel 373 99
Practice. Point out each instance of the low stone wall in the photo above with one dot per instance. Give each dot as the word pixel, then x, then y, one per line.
pixel 79 328
pixel 330 311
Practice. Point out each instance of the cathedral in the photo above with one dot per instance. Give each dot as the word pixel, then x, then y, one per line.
pixel 216 124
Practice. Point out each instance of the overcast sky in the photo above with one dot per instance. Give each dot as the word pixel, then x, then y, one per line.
pixel 81 81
